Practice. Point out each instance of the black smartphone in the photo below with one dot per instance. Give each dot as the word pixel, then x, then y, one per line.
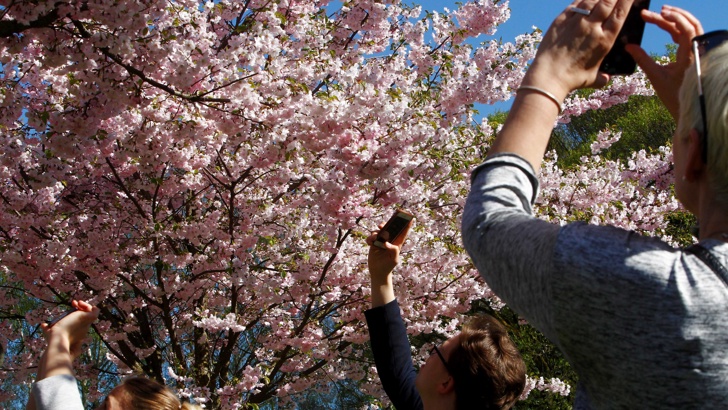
pixel 394 227
pixel 618 61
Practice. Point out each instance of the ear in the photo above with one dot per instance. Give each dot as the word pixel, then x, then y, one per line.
pixel 446 386
pixel 694 166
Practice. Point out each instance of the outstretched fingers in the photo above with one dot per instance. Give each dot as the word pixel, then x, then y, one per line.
pixel 666 79
pixel 684 20
pixel 680 24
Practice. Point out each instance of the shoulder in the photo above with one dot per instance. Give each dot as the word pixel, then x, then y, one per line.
pixel 601 271
pixel 57 393
pixel 610 249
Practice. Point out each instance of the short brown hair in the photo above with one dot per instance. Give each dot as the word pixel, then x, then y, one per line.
pixel 489 371
pixel 140 393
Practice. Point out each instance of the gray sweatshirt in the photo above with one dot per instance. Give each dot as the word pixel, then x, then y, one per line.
pixel 57 393
pixel 643 324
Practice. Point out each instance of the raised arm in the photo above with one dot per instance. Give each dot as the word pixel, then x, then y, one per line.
pixel 567 59
pixel 65 339
pixel 387 331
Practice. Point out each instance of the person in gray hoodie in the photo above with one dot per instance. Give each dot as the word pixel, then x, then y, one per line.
pixel 645 325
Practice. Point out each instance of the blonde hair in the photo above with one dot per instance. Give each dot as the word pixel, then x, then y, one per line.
pixel 714 65
pixel 140 393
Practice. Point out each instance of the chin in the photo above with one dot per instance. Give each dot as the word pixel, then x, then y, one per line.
pixel 418 384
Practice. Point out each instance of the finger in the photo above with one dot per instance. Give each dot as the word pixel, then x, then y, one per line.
pixel 82 305
pixel 640 56
pixel 600 10
pixel 614 16
pixel 582 4
pixel 391 247
pixel 693 21
pixel 686 30
pixel 86 307
pixel 372 237
pixel 601 80
pixel 657 19
pixel 682 23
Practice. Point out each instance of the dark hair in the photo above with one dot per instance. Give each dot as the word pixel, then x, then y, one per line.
pixel 489 371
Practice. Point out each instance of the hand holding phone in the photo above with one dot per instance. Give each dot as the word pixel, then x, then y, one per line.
pixel 73 326
pixel 384 254
pixel 618 61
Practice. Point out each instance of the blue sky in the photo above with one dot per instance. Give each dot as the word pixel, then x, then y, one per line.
pixel 525 14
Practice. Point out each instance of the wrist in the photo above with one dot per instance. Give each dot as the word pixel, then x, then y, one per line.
pixel 59 343
pixel 546 80
pixel 57 358
pixel 544 93
pixel 382 290
pixel 384 280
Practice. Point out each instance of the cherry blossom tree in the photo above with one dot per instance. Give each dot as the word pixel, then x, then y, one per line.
pixel 206 172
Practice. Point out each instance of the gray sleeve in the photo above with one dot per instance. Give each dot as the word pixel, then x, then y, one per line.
pixel 511 249
pixel 556 277
pixel 57 393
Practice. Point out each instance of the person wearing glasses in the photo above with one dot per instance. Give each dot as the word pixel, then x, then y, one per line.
pixel 479 368
pixel 644 325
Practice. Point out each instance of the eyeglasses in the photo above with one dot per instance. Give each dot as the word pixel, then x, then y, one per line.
pixel 436 350
pixel 701 45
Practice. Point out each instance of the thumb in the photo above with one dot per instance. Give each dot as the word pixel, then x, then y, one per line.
pixel 601 80
pixel 646 63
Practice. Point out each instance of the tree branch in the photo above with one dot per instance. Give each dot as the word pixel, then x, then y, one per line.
pixel 8 28
pixel 135 72
pixel 120 183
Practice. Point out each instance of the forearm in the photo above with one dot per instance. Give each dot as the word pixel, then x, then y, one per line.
pixel 392 355
pixel 530 121
pixel 512 250
pixel 56 360
pixel 382 290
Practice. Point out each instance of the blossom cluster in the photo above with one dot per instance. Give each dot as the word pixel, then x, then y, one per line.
pixel 552 385
pixel 633 194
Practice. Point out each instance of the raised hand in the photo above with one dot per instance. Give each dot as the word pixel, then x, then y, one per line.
pixel 575 45
pixel 73 328
pixel 666 79
pixel 381 262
